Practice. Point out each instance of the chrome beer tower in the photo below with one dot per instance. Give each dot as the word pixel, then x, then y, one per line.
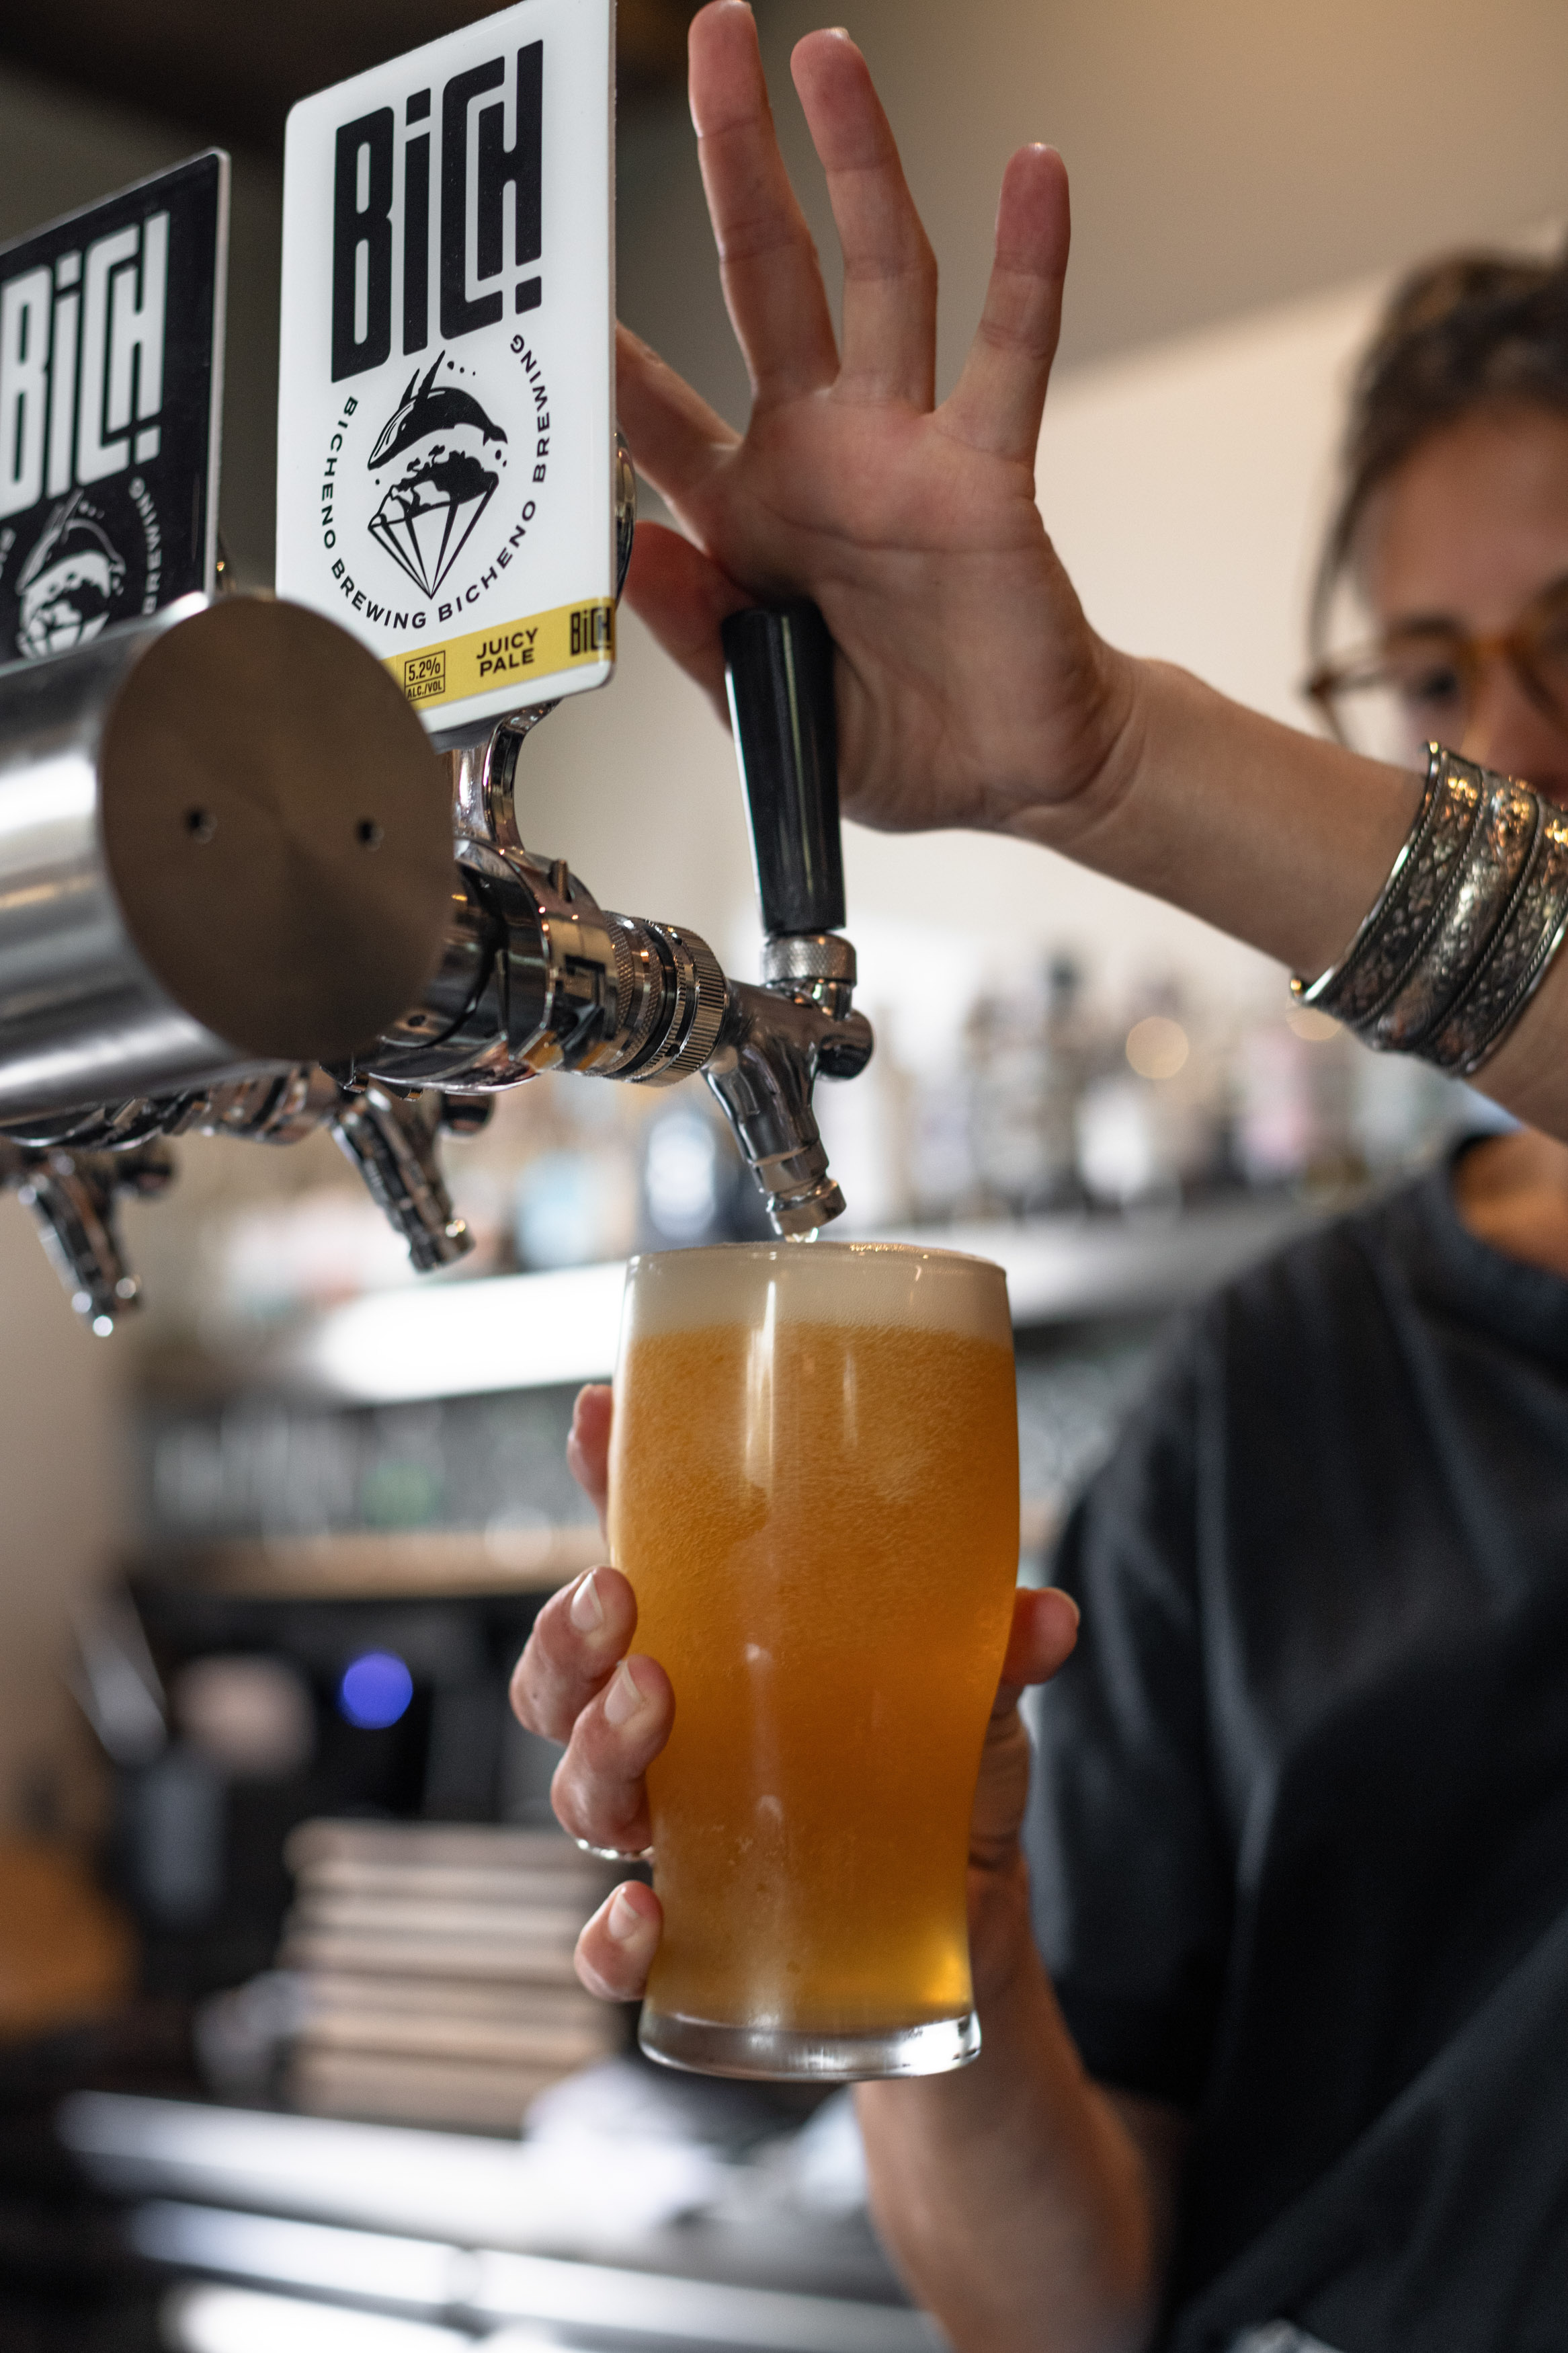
pixel 231 904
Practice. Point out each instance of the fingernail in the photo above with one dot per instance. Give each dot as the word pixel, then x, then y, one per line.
pixel 587 1610
pixel 625 1695
pixel 1072 1605
pixel 623 1920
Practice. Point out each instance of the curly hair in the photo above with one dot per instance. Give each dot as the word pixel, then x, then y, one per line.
pixel 1465 332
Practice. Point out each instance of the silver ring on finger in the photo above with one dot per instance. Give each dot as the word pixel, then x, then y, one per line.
pixel 613 1853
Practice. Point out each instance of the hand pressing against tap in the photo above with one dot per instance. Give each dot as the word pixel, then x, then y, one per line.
pixel 1024 2201
pixel 971 687
pixel 969 683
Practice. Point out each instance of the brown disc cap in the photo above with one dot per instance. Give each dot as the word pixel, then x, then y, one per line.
pixel 278 830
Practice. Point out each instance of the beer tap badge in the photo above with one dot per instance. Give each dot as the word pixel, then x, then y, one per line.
pixel 111 381
pixel 445 413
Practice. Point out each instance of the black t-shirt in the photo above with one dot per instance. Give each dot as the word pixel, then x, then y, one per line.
pixel 1300 1825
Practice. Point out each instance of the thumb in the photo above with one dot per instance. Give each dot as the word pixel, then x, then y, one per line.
pixel 1044 1635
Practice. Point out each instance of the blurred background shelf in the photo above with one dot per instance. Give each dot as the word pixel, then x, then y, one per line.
pixel 389 1561
pixel 413 1443
pixel 471 1337
pixel 529 1331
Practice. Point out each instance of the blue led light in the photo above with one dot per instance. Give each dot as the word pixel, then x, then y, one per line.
pixel 376 1690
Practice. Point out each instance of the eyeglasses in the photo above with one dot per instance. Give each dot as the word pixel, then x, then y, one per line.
pixel 1418 685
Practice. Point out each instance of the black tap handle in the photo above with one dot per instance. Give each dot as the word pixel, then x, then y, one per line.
pixel 779 662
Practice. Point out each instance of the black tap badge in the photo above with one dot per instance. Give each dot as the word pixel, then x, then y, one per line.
pixel 110 377
pixel 444 423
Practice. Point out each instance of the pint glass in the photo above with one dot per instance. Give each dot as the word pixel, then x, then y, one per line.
pixel 813 1490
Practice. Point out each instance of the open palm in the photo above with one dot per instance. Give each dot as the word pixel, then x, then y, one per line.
pixel 970 687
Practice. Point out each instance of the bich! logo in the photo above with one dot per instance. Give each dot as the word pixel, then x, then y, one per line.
pixel 477 166
pixel 82 385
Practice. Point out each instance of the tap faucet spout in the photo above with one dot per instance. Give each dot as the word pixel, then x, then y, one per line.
pixel 771 1047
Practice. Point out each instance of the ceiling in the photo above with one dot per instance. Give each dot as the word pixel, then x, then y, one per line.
pixel 230 71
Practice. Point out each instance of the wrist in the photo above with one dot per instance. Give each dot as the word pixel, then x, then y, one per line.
pixel 1267 833
pixel 1075 789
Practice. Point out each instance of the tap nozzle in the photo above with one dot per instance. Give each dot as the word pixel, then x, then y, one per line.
pixel 391 1139
pixel 72 1194
pixel 773 1044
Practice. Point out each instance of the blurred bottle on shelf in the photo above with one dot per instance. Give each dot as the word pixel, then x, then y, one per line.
pixel 575 1178
pixel 1066 1046
pixel 1150 1126
pixel 693 1188
pixel 1292 1085
pixel 1311 1107
pixel 872 1134
pixel 682 1178
pixel 669 1177
pixel 1028 1060
pixel 941 1147
pixel 572 1208
pixel 1404 1112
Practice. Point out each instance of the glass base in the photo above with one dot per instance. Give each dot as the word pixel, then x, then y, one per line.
pixel 780 2055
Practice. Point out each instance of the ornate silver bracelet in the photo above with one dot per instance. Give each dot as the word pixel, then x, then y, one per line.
pixel 1464 930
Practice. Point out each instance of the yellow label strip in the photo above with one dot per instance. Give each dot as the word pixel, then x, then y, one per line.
pixel 567 638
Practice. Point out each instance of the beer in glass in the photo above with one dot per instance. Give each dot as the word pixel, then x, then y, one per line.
pixel 813 1490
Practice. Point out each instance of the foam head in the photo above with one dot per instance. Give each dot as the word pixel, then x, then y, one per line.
pixel 881 1285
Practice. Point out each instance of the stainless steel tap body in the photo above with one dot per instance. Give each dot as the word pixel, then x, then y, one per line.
pixel 527 974
pixel 83 1019
pixel 219 855
pixel 537 977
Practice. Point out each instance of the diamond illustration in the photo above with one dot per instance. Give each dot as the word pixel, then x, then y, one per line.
pixel 424 522
pixel 425 519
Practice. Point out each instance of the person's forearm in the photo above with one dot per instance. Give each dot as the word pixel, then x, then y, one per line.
pixel 1276 837
pixel 1010 2193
